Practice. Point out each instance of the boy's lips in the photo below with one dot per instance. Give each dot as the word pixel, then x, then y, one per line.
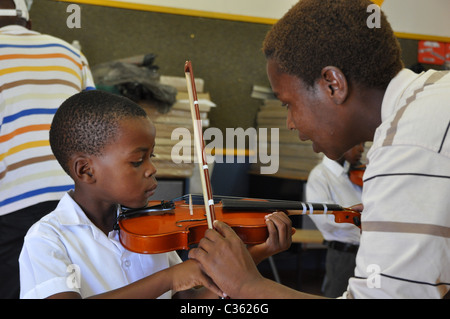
pixel 149 192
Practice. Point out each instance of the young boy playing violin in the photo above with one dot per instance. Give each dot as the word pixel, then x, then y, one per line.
pixel 329 182
pixel 105 143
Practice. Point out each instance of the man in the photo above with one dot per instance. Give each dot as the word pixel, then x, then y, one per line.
pixel 343 84
pixel 37 73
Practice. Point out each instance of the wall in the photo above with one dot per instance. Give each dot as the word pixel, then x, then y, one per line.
pixel 226 54
pixel 411 19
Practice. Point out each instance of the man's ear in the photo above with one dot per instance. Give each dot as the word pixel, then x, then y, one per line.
pixel 334 83
pixel 83 168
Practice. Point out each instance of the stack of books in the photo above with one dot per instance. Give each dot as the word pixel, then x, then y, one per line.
pixel 174 143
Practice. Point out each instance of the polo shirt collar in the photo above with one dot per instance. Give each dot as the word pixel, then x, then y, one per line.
pixel 69 212
pixel 15 29
pixel 336 168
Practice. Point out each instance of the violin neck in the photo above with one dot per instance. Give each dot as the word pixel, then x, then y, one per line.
pixel 298 207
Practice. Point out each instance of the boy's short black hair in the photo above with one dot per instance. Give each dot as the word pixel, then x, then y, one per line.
pixel 314 34
pixel 86 122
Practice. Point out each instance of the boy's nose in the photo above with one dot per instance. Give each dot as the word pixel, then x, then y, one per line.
pixel 150 171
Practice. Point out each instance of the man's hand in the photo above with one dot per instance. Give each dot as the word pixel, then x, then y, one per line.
pixel 188 274
pixel 224 257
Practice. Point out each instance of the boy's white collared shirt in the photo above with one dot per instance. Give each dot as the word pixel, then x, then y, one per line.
pixel 329 183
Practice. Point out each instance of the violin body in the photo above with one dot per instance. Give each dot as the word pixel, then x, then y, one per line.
pixel 179 224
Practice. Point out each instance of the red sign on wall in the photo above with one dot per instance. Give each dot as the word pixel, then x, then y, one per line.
pixel 432 52
pixel 447 52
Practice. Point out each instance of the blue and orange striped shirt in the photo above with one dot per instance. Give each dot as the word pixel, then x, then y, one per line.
pixel 37 73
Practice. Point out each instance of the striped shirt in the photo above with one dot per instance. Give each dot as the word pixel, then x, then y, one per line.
pixel 405 240
pixel 37 73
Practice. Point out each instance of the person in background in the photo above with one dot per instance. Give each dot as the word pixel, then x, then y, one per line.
pixel 329 183
pixel 37 73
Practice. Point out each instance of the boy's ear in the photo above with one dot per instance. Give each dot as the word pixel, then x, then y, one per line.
pixel 334 83
pixel 83 169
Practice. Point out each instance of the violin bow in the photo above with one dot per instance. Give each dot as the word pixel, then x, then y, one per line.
pixel 200 145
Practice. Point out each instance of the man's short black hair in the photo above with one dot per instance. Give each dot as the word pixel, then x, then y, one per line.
pixel 314 34
pixel 88 121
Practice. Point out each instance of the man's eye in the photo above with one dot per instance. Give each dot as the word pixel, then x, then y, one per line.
pixel 285 105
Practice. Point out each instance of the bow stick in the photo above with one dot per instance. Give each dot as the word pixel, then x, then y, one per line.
pixel 200 145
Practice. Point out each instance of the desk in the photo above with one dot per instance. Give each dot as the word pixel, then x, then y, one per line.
pixel 307 236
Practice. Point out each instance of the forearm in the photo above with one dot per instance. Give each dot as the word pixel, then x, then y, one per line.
pixel 258 253
pixel 150 287
pixel 196 293
pixel 265 288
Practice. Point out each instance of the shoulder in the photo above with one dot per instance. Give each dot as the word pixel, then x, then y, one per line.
pixel 416 112
pixel 51 225
pixel 317 173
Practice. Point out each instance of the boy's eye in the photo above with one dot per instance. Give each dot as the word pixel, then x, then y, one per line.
pixel 284 104
pixel 138 163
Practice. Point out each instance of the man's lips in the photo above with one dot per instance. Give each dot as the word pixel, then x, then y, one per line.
pixel 303 137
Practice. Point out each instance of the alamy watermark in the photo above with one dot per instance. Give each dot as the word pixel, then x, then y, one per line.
pixel 374 19
pixel 259 145
pixel 74 18
pixel 73 280
pixel 258 141
pixel 374 278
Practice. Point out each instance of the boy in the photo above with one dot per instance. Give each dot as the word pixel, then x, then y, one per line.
pixel 105 143
pixel 329 182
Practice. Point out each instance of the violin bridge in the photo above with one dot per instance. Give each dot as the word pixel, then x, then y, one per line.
pixel 191 211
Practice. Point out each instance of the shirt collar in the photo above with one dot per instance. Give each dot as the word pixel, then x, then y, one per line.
pixel 336 168
pixel 69 212
pixel 15 29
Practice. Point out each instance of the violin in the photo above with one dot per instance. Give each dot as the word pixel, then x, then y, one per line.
pixel 356 173
pixel 176 224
